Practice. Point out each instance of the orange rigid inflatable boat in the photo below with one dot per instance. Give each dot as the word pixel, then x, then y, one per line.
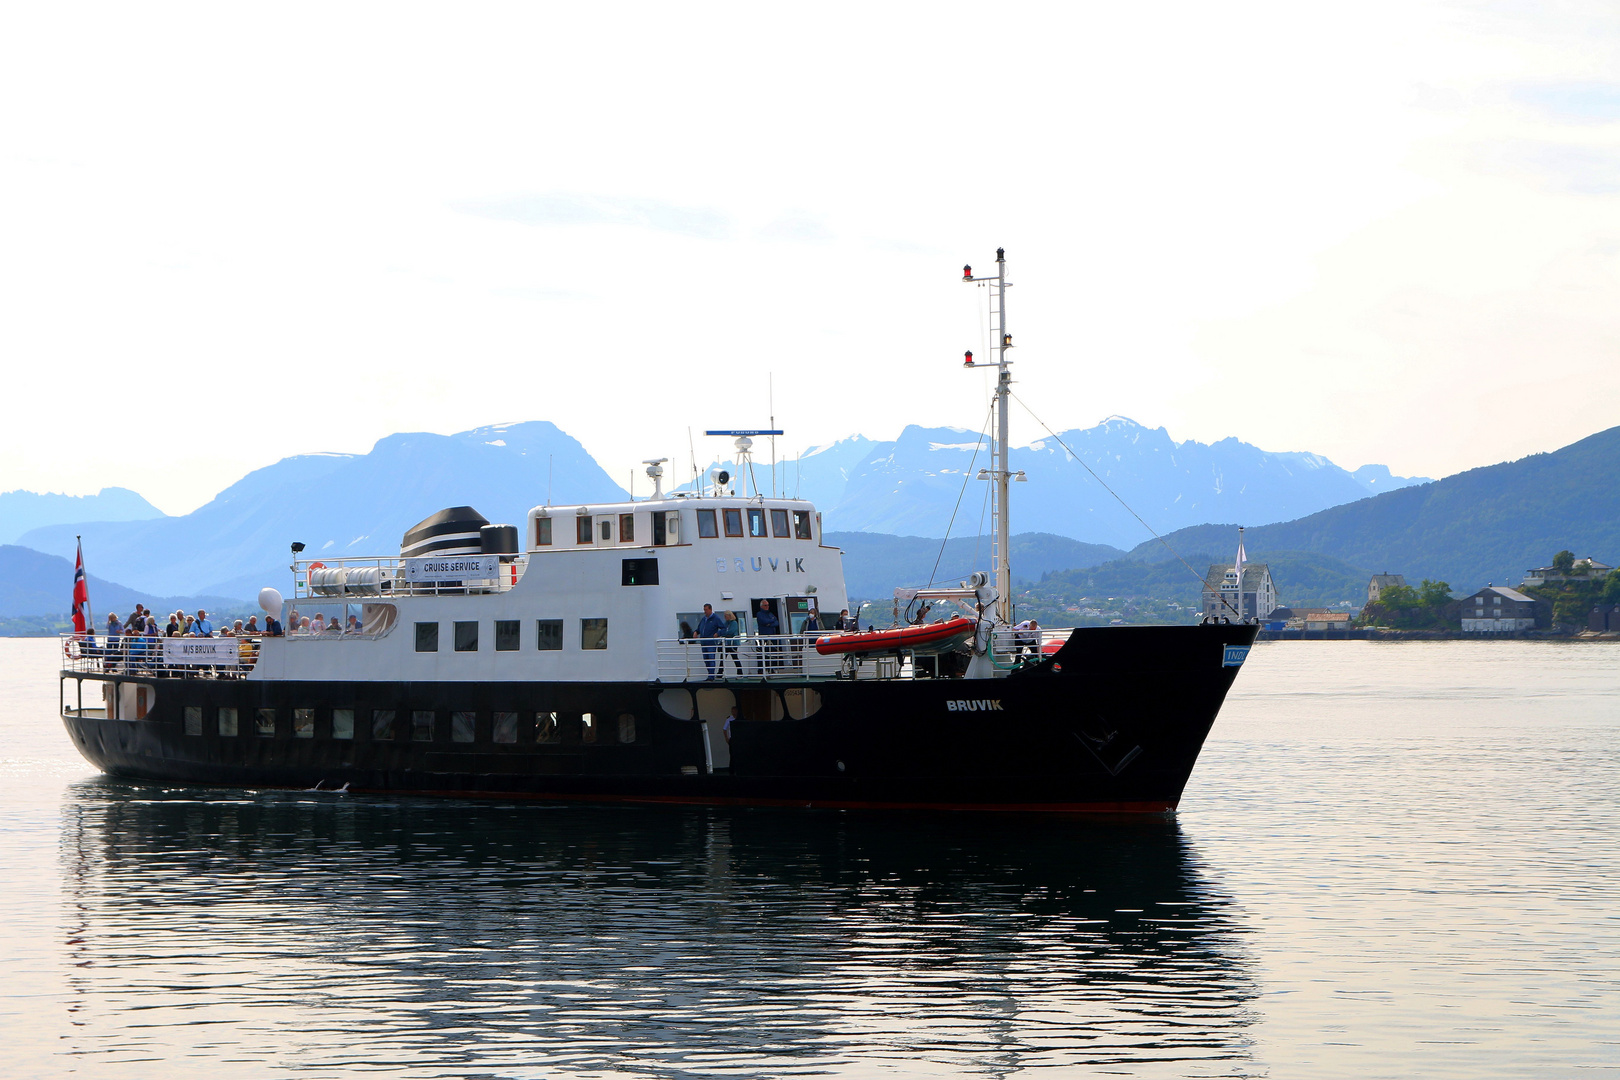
pixel 933 637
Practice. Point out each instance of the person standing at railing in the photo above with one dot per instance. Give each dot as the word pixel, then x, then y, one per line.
pixel 202 627
pixel 152 647
pixel 728 643
pixel 272 627
pixel 252 626
pixel 709 629
pixel 769 628
pixel 115 636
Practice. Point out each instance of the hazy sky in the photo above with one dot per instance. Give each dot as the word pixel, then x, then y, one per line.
pixel 1382 232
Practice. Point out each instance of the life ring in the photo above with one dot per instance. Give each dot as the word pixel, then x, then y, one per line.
pixel 309 572
pixel 70 648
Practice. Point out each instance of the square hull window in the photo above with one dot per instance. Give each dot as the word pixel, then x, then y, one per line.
pixel 227 721
pixel 382 725
pixel 342 723
pixel 421 726
pixel 303 723
pixel 264 723
pixel 545 728
pixel 463 726
pixel 506 727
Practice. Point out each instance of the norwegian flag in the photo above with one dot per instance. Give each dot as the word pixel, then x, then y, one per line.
pixel 81 595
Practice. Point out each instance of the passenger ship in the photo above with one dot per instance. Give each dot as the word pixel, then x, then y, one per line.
pixel 553 661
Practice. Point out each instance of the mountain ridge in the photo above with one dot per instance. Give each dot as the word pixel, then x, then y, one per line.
pixel 1483 525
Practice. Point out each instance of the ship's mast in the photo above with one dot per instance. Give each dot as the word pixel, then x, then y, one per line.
pixel 1000 467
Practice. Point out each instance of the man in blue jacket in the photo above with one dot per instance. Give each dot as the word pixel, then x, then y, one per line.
pixel 769 627
pixel 709 630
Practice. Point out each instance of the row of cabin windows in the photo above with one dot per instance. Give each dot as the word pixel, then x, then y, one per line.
pixel 417 725
pixel 548 635
pixel 784 525
pixel 732 519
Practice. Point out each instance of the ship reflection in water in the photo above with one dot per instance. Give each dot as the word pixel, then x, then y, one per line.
pixel 312 932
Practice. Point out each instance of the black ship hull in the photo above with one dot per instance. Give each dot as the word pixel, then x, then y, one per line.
pixel 1111 723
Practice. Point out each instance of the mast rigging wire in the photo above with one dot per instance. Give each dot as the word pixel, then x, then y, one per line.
pixel 967 474
pixel 1122 502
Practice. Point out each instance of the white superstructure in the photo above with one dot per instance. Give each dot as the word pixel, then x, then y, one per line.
pixel 594 590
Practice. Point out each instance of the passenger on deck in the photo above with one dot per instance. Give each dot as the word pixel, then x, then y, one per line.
pixel 236 628
pixel 709 629
pixel 1029 637
pixel 252 626
pixel 319 626
pixel 272 628
pixel 333 626
pixel 354 625
pixel 769 627
pixel 847 624
pixel 173 629
pixel 303 625
pixel 202 627
pixel 729 643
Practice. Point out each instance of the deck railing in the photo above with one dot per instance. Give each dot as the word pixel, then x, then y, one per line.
pixel 756 656
pixel 165 658
pixel 794 656
pixel 379 577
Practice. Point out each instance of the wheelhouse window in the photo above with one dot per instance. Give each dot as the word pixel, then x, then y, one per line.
pixel 756 521
pixel 639 572
pixel 607 530
pixel 427 637
pixel 801 524
pixel 584 533
pixel 542 532
pixel 706 529
pixel 507 632
pixel 627 528
pixel 592 634
pixel 548 635
pixel 466 637
pixel 733 522
pixel 779 524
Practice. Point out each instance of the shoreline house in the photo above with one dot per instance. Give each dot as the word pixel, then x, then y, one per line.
pixel 1259 592
pixel 1497 609
pixel 1380 582
pixel 1583 570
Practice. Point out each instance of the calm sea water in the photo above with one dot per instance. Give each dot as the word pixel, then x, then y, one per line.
pixel 1395 860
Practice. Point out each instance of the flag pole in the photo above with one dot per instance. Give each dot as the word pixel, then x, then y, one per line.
pixel 1242 612
pixel 89 617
